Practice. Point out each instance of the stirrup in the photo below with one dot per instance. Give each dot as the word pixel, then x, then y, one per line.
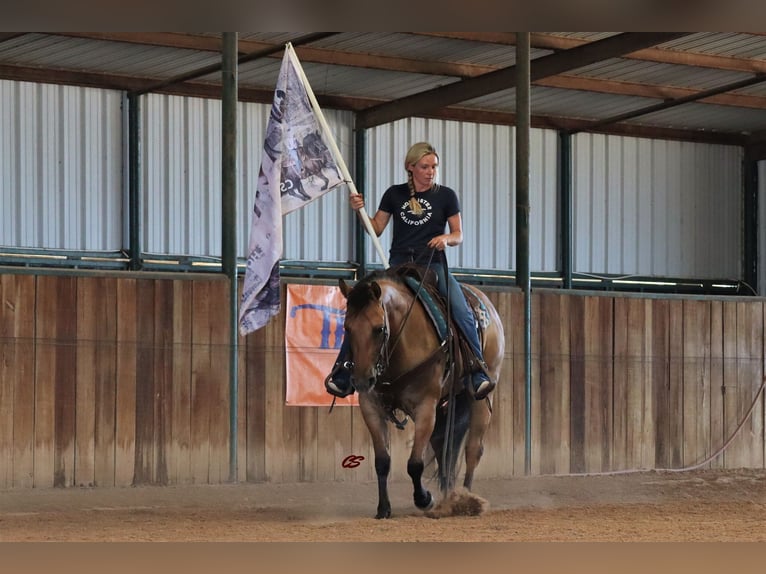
pixel 485 383
pixel 339 386
pixel 484 388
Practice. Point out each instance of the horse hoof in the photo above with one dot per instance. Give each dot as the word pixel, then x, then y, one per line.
pixel 426 503
pixel 383 514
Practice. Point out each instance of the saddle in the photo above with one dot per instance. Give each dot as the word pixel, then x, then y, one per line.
pixel 422 283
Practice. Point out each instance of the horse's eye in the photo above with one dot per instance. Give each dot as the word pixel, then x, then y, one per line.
pixel 379 331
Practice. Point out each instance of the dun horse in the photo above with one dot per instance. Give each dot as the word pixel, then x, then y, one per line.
pixel 400 364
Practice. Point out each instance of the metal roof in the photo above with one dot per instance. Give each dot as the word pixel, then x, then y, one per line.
pixel 709 86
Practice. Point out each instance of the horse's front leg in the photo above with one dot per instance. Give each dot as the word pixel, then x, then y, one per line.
pixel 378 427
pixel 425 419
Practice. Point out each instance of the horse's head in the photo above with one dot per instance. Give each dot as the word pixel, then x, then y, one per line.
pixel 367 332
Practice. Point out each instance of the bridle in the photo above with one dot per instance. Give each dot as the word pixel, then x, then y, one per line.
pixel 383 355
pixel 386 351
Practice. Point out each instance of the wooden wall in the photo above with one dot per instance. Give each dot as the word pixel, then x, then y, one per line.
pixel 117 381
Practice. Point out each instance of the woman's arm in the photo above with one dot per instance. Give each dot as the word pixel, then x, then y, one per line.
pixel 454 237
pixel 378 222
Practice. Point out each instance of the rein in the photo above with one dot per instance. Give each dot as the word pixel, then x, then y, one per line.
pixel 412 304
pixel 389 351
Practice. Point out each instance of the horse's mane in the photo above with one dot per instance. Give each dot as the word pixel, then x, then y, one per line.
pixel 361 295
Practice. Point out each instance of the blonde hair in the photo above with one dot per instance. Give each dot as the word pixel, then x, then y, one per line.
pixel 416 152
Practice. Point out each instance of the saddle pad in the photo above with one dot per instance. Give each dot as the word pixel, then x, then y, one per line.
pixel 434 311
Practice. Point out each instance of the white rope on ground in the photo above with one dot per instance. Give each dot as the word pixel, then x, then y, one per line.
pixel 713 456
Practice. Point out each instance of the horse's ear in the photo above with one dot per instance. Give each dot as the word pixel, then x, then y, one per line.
pixel 344 288
pixel 375 289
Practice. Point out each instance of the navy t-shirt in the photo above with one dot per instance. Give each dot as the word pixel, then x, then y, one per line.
pixel 413 232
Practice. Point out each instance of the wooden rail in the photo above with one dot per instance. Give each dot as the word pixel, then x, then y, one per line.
pixel 109 381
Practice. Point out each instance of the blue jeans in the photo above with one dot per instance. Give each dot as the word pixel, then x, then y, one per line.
pixel 459 309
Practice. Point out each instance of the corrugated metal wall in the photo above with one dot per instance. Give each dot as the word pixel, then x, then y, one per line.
pixel 647 207
pixel 182 182
pixel 654 207
pixel 477 161
pixel 60 167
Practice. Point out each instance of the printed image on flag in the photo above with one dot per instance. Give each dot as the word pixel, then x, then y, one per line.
pixel 297 167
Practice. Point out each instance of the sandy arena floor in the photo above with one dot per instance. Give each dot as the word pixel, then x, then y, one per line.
pixel 702 506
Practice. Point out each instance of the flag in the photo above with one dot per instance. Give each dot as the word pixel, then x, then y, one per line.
pixel 297 167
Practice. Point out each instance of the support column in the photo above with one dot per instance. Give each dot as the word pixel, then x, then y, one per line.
pixel 229 225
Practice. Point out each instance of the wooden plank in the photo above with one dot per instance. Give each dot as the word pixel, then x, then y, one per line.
pixel 282 454
pixel 23 377
pixel 126 375
pixel 620 456
pixel 45 381
pixel 554 383
pixel 179 440
pixel 717 428
pixel 106 387
pixel 577 394
pixel 309 438
pixel 696 373
pixel 144 471
pixel 219 377
pixel 88 315
pixel 65 340
pixel 8 342
pixel 164 409
pixel 17 367
pixel 730 376
pixel 597 333
pixel 201 394
pixel 499 441
pixel 519 383
pixel 633 417
pixel 17 300
pixel 676 382
pixel 333 441
pixel 645 439
pixel 660 371
pixel 746 449
pixel 753 430
pixel 255 461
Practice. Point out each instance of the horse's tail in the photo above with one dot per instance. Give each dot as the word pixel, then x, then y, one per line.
pixel 447 452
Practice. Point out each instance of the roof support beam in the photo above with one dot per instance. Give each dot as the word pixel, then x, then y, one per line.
pixel 757 79
pixel 242 59
pixel 424 102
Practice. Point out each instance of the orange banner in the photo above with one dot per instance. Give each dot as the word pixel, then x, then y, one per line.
pixel 313 335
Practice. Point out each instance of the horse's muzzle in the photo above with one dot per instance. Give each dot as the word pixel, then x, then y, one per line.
pixel 364 384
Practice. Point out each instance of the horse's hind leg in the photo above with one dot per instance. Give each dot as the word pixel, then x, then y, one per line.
pixel 451 420
pixel 474 445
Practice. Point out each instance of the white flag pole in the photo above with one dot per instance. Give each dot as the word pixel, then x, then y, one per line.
pixel 336 152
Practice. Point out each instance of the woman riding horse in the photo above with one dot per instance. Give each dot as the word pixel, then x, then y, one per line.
pixel 422 209
pixel 402 365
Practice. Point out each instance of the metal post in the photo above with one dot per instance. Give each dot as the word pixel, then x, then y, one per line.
pixel 750 227
pixel 229 224
pixel 134 184
pixel 565 197
pixel 522 225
